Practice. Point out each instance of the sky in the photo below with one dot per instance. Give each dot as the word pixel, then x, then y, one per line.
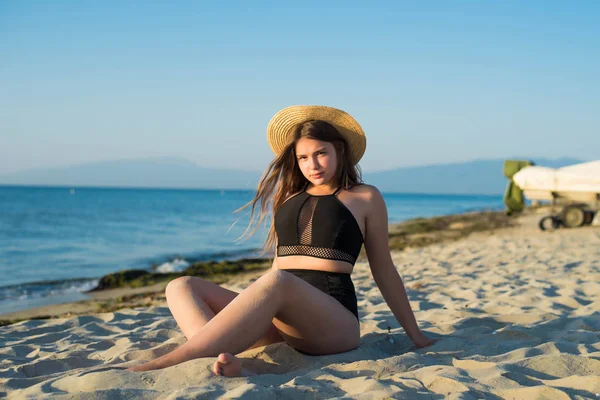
pixel 430 82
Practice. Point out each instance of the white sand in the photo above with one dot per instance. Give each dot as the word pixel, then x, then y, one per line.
pixel 518 313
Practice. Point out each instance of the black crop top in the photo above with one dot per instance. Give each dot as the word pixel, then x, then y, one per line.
pixel 317 226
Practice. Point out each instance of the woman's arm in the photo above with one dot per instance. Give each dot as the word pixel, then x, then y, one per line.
pixel 384 272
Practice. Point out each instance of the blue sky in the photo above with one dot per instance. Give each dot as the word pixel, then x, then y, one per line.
pixel 430 82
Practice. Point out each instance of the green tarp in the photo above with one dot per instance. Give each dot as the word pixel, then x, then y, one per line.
pixel 513 197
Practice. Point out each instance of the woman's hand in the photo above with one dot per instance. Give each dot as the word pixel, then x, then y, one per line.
pixel 420 340
pixel 147 366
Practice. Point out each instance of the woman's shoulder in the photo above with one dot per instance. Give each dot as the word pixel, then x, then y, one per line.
pixel 368 196
pixel 365 190
pixel 365 200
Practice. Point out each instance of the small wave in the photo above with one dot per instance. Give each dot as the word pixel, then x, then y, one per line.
pixel 176 265
pixel 36 290
pixel 178 262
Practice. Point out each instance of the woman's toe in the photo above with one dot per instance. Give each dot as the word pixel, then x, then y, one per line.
pixel 227 365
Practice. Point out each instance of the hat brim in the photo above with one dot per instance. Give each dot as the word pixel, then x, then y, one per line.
pixel 281 127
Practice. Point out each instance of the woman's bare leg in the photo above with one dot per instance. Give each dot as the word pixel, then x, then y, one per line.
pixel 195 301
pixel 307 318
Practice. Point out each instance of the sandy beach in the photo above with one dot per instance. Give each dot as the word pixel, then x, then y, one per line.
pixel 517 312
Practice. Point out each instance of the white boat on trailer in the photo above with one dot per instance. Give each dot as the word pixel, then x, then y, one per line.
pixel 574 189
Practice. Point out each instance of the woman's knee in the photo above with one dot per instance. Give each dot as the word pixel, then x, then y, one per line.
pixel 181 284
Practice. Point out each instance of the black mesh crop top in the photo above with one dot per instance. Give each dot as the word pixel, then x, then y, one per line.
pixel 317 226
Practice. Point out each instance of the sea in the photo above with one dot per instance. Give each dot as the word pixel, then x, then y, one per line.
pixel 56 242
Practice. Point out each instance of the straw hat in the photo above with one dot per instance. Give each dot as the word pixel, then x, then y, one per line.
pixel 282 125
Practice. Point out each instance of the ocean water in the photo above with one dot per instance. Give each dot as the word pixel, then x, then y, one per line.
pixel 56 242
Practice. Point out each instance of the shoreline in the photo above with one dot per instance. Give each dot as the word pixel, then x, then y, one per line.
pixel 417 232
pixel 43 268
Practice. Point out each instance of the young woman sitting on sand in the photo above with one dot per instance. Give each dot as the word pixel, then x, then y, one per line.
pixel 322 216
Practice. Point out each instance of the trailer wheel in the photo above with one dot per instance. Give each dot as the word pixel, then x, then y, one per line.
pixel 548 223
pixel 573 216
pixel 589 217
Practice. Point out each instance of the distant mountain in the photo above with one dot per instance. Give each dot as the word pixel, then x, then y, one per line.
pixel 155 172
pixel 473 177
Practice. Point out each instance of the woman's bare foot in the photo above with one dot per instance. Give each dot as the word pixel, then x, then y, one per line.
pixel 228 365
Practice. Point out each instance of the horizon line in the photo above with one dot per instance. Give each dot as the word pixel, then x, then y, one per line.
pixel 86 163
pixel 74 187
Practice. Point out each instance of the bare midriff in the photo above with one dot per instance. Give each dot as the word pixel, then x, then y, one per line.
pixel 314 263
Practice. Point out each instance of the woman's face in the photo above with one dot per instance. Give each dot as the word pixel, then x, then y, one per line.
pixel 317 160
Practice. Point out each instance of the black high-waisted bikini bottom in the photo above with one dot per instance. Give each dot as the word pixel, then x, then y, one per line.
pixel 336 284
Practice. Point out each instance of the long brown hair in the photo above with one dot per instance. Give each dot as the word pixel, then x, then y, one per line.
pixel 283 177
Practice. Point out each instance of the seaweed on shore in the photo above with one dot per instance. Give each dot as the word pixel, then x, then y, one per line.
pixel 214 271
pixel 422 232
